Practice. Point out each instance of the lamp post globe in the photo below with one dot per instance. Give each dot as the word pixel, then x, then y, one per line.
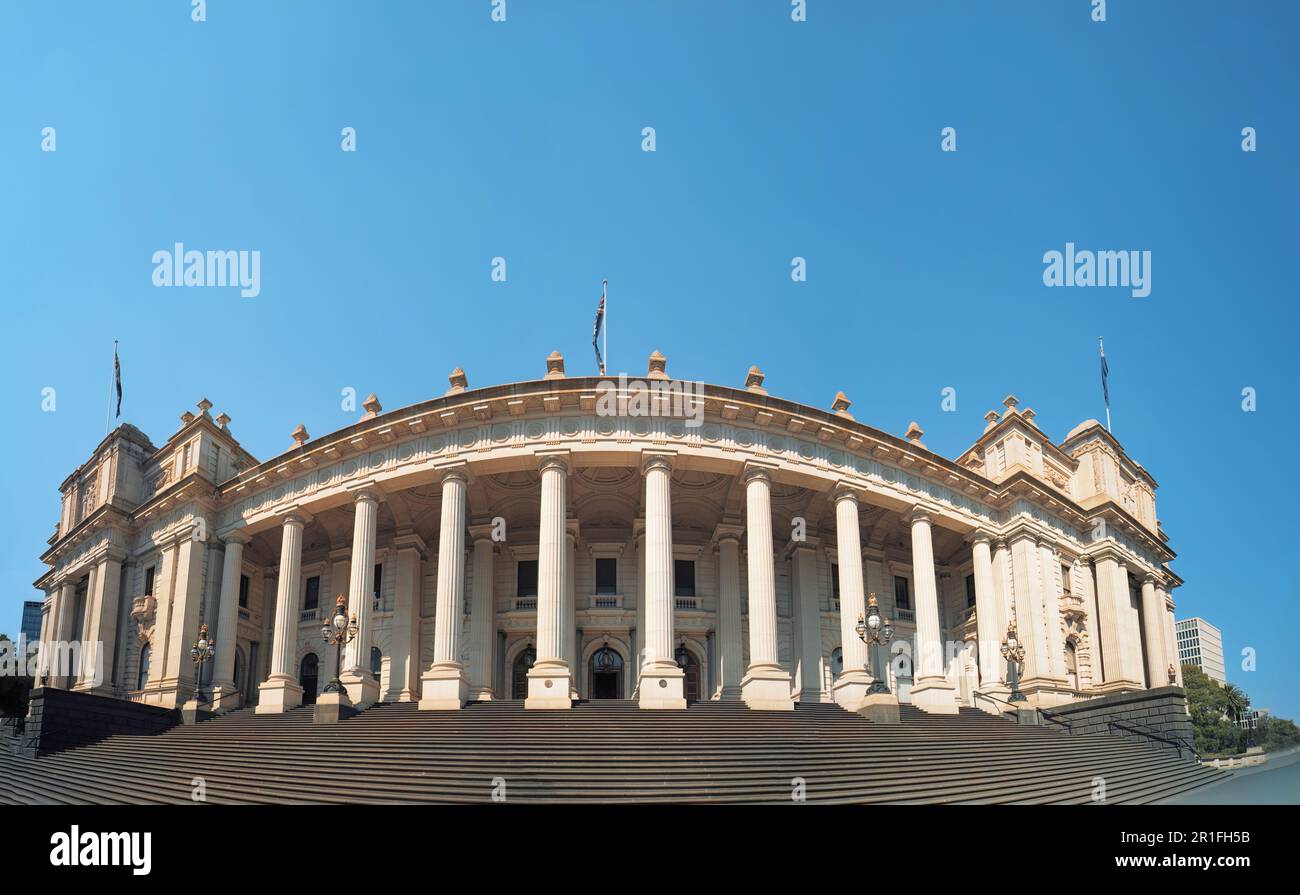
pixel 875 631
pixel 338 631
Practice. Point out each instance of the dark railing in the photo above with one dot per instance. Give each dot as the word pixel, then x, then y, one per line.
pixel 1143 730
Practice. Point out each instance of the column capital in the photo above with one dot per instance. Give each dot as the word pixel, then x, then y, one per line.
pixel 238 536
pixel 481 531
pixel 657 460
pixel 728 530
pixel 981 535
pixel 919 513
pixel 553 459
pixel 757 469
pixel 843 490
pixel 410 540
pixel 455 470
pixel 293 515
pixel 367 490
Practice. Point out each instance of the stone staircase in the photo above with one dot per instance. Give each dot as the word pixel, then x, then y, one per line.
pixel 602 752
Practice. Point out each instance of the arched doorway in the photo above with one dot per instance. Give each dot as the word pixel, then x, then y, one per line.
pixel 1071 665
pixel 519 673
pixel 308 673
pixel 142 676
pixel 606 669
pixel 690 667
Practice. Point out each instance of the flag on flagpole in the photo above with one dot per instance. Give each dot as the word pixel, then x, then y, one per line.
pixel 1105 389
pixel 117 379
pixel 595 332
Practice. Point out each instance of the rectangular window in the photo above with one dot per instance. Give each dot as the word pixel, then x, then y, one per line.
pixel 311 599
pixel 970 591
pixel 1065 578
pixel 606 575
pixel 835 580
pixel 187 456
pixel 148 581
pixel 526 578
pixel 683 577
pixel 379 581
pixel 243 591
pixel 902 595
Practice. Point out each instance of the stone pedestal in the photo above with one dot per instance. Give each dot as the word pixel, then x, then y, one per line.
pixel 767 688
pixel 226 697
pixel 362 687
pixel 277 694
pixel 993 706
pixel 332 708
pixel 192 712
pixel 549 687
pixel 664 688
pixel 443 687
pixel 880 708
pixel 935 695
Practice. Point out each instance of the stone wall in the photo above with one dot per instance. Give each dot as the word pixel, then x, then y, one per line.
pixel 61 719
pixel 1157 717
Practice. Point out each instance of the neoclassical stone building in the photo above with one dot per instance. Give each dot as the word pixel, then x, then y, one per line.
pixel 526 541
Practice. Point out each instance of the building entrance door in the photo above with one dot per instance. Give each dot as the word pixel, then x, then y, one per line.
pixel 606 674
pixel 519 673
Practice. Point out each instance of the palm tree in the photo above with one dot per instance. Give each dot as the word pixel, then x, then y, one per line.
pixel 1237 701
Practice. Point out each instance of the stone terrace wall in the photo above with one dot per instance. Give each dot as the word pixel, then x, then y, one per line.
pixel 1161 714
pixel 61 719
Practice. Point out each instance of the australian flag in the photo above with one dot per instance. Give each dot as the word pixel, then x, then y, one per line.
pixel 595 332
pixel 117 380
pixel 1105 371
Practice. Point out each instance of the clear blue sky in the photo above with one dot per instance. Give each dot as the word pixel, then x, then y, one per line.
pixel 774 139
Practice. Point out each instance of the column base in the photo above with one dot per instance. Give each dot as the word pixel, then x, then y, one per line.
pixel 662 687
pixel 548 687
pixel 935 695
pixel 767 688
pixel 880 708
pixel 226 698
pixel 727 694
pixel 278 694
pixel 443 687
pixel 1117 685
pixel 480 694
pixel 362 687
pixel 850 689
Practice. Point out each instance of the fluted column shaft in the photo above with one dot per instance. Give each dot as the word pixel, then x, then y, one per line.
pixel 1048 564
pixel 658 640
pixel 761 570
pixel 848 540
pixel 227 615
pixel 482 618
pixel 361 584
pixel 1117 633
pixel 730 660
pixel 569 638
pixel 929 639
pixel 552 553
pixel 286 598
pixel 61 674
pixel 988 620
pixel 448 608
pixel 1153 625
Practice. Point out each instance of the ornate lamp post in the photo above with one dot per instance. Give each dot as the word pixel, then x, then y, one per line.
pixel 873 630
pixel 338 631
pixel 202 651
pixel 1014 652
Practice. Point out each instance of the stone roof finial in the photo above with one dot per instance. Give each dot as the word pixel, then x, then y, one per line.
pixel 1010 402
pixel 459 381
pixel 300 436
pixel 914 433
pixel 555 365
pixel 841 405
pixel 223 420
pixel 658 368
pixel 373 407
pixel 204 406
pixel 991 418
pixel 754 380
pixel 1029 414
pixel 186 419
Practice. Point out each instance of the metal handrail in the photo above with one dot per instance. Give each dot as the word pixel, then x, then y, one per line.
pixel 1146 730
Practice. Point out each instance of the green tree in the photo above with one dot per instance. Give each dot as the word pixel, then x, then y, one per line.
pixel 1277 733
pixel 1207 703
pixel 1237 701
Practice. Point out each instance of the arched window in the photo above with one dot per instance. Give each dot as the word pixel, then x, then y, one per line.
pixel 519 673
pixel 142 676
pixel 308 672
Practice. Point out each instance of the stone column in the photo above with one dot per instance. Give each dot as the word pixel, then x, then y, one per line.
pixel 183 627
pixel 569 639
pixel 850 688
pixel 988 625
pixel 404 662
pixel 730 647
pixel 444 685
pixel 1171 639
pixel 482 615
pixel 100 631
pixel 662 682
pixel 550 680
pixel 808 599
pixel 225 695
pixel 1048 564
pixel 1118 671
pixel 1089 594
pixel 47 616
pixel 356 677
pixel 63 673
pixel 637 634
pixel 766 684
pixel 1153 623
pixel 931 691
pixel 281 690
pixel 163 585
